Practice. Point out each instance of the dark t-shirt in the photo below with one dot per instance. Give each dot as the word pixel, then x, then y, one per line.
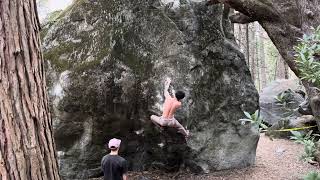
pixel 113 167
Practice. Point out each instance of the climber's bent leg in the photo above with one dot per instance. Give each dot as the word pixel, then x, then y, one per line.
pixel 161 122
pixel 181 129
pixel 157 120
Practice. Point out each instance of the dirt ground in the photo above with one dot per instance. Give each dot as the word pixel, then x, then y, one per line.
pixel 276 160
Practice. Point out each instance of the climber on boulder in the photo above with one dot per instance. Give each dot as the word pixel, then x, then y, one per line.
pixel 170 106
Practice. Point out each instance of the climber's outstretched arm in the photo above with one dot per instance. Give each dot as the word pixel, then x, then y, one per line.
pixel 166 88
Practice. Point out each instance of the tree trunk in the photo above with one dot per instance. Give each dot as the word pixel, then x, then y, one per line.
pixel 252 51
pixel 280 70
pixel 263 67
pixel 275 71
pixel 257 58
pixel 286 71
pixel 242 36
pixel 258 71
pixel 247 44
pixel 27 150
pixel 239 35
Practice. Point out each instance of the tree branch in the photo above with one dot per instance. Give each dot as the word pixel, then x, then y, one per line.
pixel 241 18
pixel 212 2
pixel 255 9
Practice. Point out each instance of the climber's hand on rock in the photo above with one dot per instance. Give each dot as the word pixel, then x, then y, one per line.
pixel 167 82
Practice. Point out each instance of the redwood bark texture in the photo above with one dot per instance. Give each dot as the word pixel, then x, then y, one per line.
pixel 27 150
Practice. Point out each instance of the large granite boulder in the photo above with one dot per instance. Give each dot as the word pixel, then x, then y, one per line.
pixel 107 61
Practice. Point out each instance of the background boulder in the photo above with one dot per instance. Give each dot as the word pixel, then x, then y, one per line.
pixel 280 100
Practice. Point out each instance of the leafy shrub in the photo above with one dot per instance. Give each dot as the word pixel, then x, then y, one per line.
pixel 298 137
pixel 309 151
pixel 308 63
pixel 308 141
pixel 284 98
pixel 312 176
pixel 255 119
pixel 307 53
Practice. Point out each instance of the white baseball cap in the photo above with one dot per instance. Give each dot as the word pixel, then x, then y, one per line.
pixel 114 143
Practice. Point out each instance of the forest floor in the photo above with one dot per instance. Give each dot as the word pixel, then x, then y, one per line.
pixel 276 160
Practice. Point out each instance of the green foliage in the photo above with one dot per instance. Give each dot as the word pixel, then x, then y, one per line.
pixel 307 52
pixel 309 151
pixel 254 119
pixel 283 100
pixel 308 141
pixel 298 137
pixel 312 176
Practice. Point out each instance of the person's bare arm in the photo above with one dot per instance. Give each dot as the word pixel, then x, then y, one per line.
pixel 124 170
pixel 124 177
pixel 166 88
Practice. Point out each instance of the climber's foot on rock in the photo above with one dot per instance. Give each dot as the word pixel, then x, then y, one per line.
pixel 188 135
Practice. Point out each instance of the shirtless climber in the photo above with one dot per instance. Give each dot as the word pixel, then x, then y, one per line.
pixel 171 104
